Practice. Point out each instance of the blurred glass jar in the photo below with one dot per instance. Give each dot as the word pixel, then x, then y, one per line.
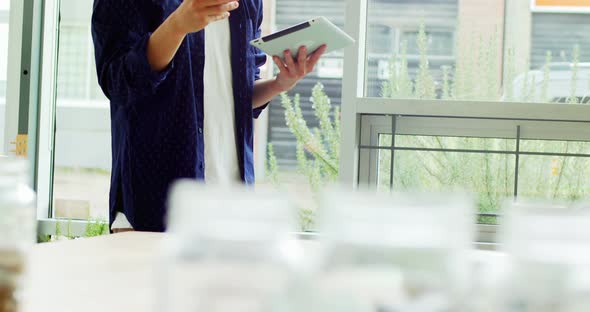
pixel 17 229
pixel 394 252
pixel 549 249
pixel 229 249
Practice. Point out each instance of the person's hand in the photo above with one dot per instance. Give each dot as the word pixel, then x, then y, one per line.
pixel 194 15
pixel 292 70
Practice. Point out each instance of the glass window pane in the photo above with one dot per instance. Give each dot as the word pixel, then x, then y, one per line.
pixel 82 137
pixel 328 71
pixel 385 140
pixel 459 50
pixel 4 14
pixel 554 177
pixel 74 64
pixel 544 146
pixel 489 176
pixel 558 178
pixel 398 31
pixel 384 163
pixel 384 173
pixel 547 36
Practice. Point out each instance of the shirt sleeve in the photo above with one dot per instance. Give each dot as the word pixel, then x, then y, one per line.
pixel 120 44
pixel 259 57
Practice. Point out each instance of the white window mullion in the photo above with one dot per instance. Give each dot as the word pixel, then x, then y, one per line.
pixel 475 109
pixel 353 88
pixel 47 108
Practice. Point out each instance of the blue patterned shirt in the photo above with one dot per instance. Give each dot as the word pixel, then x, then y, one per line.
pixel 157 117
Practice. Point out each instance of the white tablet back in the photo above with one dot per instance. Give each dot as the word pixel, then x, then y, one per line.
pixel 312 34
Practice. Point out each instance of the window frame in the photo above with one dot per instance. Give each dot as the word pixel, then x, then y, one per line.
pixel 39 49
pixel 354 167
pixel 45 159
pixel 24 78
pixel 30 100
pixel 47 107
pixel 13 76
pixel 355 104
pixel 34 37
pixel 518 130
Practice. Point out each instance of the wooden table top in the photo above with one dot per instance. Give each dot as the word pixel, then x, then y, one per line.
pixel 108 273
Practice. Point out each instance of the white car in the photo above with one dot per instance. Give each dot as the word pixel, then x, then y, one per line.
pixel 559 86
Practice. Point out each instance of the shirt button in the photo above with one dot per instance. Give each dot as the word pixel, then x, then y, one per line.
pixel 201 165
pixel 200 130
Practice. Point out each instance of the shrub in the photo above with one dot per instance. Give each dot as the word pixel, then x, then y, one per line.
pixel 489 175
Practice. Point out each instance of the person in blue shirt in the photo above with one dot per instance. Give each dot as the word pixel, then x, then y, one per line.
pixel 184 86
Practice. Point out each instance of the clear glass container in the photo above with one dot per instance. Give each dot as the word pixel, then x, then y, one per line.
pixel 394 252
pixel 17 229
pixel 548 245
pixel 228 249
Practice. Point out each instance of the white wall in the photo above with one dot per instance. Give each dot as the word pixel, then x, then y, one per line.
pixel 9 121
pixel 83 136
pixel 73 11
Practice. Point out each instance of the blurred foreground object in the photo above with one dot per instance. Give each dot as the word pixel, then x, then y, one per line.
pixel 17 229
pixel 394 252
pixel 230 249
pixel 550 249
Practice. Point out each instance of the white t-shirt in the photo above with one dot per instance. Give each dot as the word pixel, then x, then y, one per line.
pixel 219 128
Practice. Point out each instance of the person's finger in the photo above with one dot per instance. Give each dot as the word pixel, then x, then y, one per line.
pixel 280 64
pixel 221 9
pixel 315 57
pixel 209 3
pixel 301 61
pixel 290 62
pixel 215 18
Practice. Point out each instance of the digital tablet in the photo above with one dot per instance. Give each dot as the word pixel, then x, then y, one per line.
pixel 311 34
